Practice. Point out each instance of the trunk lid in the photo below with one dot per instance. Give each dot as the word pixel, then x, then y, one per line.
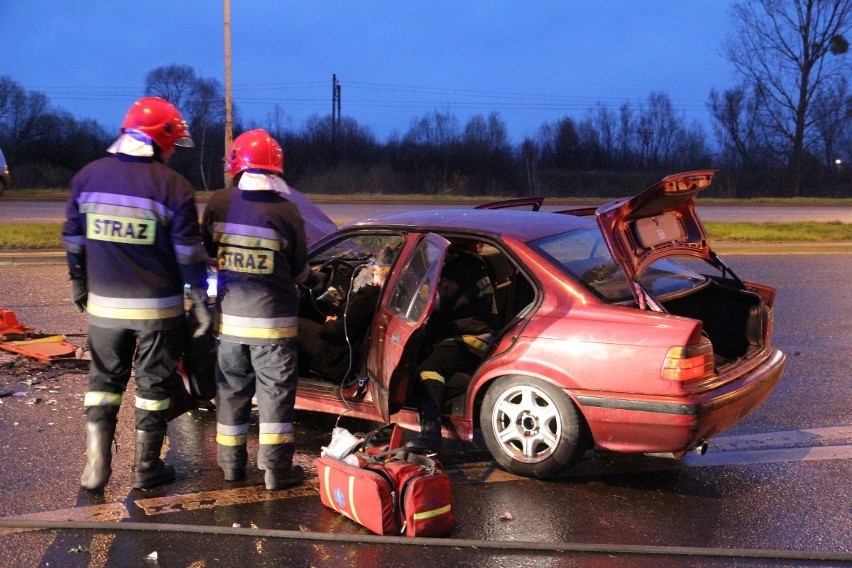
pixel 659 222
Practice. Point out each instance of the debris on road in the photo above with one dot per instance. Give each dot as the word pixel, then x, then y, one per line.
pixel 10 326
pixel 29 359
pixel 22 339
pixel 43 348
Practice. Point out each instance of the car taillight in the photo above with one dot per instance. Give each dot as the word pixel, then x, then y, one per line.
pixel 688 362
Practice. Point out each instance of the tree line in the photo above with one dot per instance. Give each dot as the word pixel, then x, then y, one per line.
pixel 784 130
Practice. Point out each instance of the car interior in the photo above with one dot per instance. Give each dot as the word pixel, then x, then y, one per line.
pixel 344 265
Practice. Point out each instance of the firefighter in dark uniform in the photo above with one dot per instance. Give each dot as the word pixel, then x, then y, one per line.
pixel 458 335
pixel 258 239
pixel 132 242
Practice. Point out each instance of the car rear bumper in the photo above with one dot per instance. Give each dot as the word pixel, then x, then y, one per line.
pixel 663 425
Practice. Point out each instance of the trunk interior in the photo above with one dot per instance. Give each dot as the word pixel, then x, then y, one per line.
pixel 733 318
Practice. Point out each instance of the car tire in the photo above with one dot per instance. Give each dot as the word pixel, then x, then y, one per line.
pixel 530 427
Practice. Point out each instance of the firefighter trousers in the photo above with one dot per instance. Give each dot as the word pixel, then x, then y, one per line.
pixel 270 372
pixel 449 357
pixel 114 352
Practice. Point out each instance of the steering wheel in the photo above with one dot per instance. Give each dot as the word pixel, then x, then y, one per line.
pixel 337 266
pixel 339 274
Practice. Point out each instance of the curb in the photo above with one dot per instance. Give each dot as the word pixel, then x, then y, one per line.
pixel 31 258
pixel 750 248
pixel 28 258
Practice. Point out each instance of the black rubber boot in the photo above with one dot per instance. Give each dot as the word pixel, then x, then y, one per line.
pixel 98 468
pixel 281 478
pixel 149 470
pixel 430 428
pixel 234 473
pixel 232 460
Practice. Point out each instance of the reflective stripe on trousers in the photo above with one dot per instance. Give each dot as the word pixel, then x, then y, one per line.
pixel 155 355
pixel 270 372
pixel 253 329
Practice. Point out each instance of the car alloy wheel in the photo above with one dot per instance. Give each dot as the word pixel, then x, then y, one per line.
pixel 530 426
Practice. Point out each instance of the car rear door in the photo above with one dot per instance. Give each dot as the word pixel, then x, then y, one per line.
pixel 404 312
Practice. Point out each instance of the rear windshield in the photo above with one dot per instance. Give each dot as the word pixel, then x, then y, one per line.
pixel 584 256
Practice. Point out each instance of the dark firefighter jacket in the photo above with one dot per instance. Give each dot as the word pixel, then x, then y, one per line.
pixel 132 231
pixel 258 239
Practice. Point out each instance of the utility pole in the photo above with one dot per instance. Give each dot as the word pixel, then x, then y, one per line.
pixel 335 108
pixel 229 133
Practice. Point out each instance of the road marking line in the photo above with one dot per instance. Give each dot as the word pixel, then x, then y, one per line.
pixel 810 437
pixel 780 455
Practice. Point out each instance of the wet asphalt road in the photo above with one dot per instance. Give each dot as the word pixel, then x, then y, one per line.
pixel 779 482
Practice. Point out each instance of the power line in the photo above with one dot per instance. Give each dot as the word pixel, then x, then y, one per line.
pixel 524 99
pixel 364 95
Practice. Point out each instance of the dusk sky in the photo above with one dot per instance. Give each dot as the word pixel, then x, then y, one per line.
pixel 530 61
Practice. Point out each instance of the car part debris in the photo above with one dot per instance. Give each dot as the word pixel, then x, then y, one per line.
pixel 43 348
pixel 22 339
pixel 10 327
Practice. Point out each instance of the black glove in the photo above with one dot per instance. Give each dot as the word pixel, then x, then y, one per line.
pixel 80 293
pixel 201 312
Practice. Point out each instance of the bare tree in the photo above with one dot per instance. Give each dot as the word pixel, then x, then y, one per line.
pixel 787 52
pixel 605 121
pixel 175 83
pixel 734 123
pixel 278 123
pixel 434 128
pixel 658 129
pixel 833 121
pixel 489 133
pixel 202 103
pixel 529 154
pixel 559 144
pixel 206 110
pixel 20 112
pixel 625 136
pixel 431 142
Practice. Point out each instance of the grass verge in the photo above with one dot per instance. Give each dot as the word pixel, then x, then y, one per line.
pixel 46 236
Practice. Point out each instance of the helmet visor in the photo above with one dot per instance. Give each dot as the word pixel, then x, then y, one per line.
pixel 185 141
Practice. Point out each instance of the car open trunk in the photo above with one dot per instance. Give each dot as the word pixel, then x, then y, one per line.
pixel 734 319
pixel 661 223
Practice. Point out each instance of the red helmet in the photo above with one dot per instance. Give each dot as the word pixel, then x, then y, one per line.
pixel 159 119
pixel 255 150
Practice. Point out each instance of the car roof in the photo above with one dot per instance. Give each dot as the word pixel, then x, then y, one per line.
pixel 523 225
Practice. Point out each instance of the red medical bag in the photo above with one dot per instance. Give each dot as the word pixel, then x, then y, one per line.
pixel 365 496
pixel 392 491
pixel 423 491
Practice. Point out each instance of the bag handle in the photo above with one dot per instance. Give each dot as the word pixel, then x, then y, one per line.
pixel 407 455
pixel 394 442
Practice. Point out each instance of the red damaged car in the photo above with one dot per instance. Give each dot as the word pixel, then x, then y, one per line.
pixel 620 329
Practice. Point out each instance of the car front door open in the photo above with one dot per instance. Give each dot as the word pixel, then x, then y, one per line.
pixel 405 311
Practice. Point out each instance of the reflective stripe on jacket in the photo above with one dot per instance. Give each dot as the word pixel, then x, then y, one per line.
pixel 132 225
pixel 258 240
